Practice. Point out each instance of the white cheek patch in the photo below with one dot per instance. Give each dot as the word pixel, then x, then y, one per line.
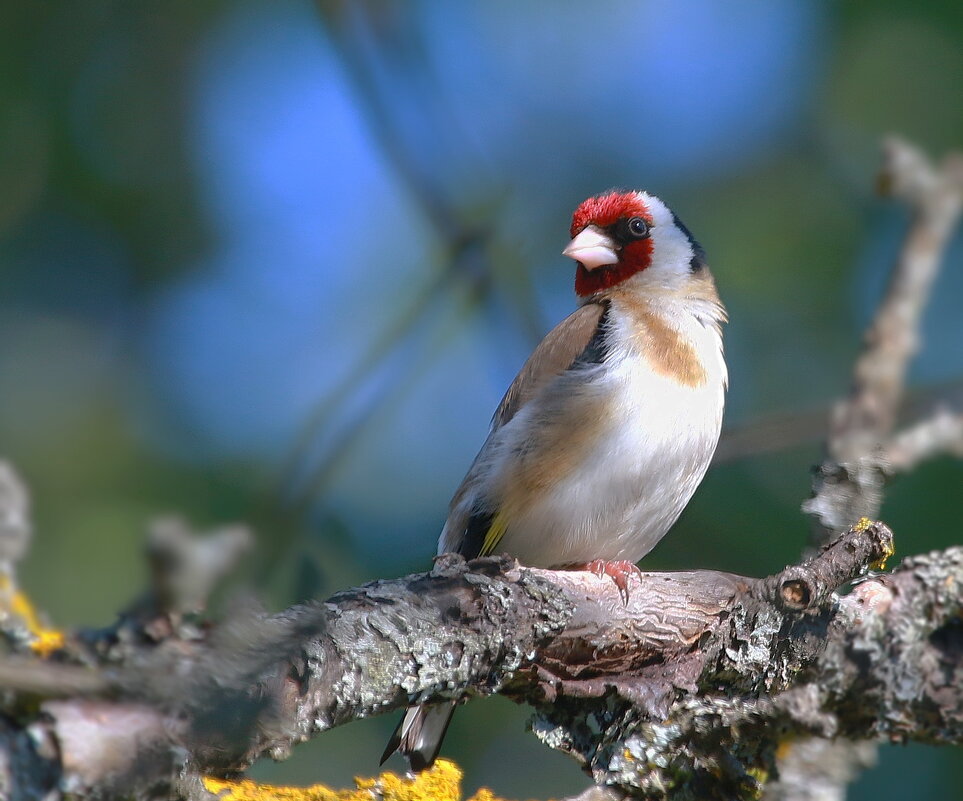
pixel 671 250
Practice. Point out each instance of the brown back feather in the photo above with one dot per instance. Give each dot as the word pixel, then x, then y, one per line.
pixel 553 356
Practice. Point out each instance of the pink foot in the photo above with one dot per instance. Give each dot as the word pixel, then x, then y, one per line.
pixel 619 572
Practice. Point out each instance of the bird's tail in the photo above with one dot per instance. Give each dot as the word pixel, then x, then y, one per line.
pixel 419 733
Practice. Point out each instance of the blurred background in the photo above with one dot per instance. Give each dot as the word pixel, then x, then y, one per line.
pixel 276 262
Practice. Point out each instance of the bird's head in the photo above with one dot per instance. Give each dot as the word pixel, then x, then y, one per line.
pixel 619 235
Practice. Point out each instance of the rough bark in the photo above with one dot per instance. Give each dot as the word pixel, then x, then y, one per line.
pixel 678 692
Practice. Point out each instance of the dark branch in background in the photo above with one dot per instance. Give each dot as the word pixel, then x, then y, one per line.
pixel 705 685
pixel 340 19
pixel 465 259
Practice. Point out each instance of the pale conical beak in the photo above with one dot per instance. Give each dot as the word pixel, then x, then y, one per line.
pixel 592 249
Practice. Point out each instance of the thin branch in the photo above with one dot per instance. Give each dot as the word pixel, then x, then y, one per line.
pixel 782 431
pixel 48 680
pixel 304 475
pixel 466 258
pixel 936 436
pixel 934 196
pixel 419 183
pixel 849 483
pixel 16 528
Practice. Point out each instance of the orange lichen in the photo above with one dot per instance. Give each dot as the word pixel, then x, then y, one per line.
pixel 888 547
pixel 783 749
pixel 442 782
pixel 45 640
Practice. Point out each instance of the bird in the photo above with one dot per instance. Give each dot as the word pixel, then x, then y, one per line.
pixel 610 425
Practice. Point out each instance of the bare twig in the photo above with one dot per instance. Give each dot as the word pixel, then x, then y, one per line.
pixel 186 568
pixel 779 432
pixel 934 196
pixel 815 769
pixel 598 792
pixel 849 483
pixel 464 248
pixel 937 435
pixel 50 680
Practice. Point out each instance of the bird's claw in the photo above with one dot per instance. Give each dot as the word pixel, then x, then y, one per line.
pixel 618 571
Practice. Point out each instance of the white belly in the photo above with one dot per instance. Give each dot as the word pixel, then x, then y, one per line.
pixel 632 485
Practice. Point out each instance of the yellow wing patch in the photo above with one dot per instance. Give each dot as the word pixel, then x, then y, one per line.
pixel 495 533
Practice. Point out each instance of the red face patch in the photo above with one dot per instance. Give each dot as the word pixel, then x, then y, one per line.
pixel 605 211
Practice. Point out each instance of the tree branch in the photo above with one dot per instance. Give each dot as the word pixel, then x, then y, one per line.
pixel 650 694
pixel 942 433
pixel 781 431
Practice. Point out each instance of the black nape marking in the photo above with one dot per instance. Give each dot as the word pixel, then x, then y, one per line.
pixel 698 260
pixel 696 264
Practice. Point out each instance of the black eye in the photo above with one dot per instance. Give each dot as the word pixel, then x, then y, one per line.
pixel 637 228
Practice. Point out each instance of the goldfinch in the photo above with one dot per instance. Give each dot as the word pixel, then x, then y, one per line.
pixel 607 431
